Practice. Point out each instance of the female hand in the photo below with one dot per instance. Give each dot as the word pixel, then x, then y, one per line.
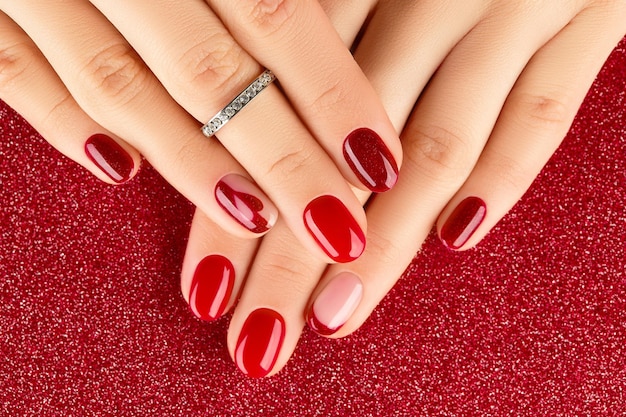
pixel 505 80
pixel 104 81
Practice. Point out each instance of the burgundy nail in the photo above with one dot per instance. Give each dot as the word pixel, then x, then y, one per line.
pixel 335 304
pixel 245 202
pixel 110 157
pixel 259 342
pixel 370 160
pixel 463 222
pixel 334 229
pixel 211 287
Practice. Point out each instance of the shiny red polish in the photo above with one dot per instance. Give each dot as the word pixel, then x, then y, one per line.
pixel 259 342
pixel 211 287
pixel 463 222
pixel 334 229
pixel 370 159
pixel 110 157
pixel 245 202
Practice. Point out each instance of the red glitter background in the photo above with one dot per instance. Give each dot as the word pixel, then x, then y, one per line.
pixel 530 323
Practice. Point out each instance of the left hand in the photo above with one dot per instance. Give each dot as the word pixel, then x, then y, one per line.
pixel 505 80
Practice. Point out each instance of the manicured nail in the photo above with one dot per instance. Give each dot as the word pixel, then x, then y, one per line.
pixel 335 304
pixel 211 287
pixel 245 202
pixel 110 157
pixel 334 229
pixel 463 222
pixel 370 160
pixel 259 342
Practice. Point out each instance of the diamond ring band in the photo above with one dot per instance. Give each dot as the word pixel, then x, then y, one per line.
pixel 227 113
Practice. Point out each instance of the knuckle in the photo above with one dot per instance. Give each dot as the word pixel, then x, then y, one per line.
pixel 439 153
pixel 289 273
pixel 385 250
pixel 269 16
pixel 185 156
pixel 543 111
pixel 510 172
pixel 213 63
pixel 116 74
pixel 290 164
pixel 61 115
pixel 15 59
pixel 332 95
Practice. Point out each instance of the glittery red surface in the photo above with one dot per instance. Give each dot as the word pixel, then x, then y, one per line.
pixel 533 322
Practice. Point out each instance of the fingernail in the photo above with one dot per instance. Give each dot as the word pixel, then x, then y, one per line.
pixel 246 203
pixel 110 157
pixel 335 304
pixel 259 342
pixel 211 287
pixel 370 159
pixel 334 229
pixel 463 222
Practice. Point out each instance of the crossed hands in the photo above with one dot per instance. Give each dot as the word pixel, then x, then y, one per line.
pixel 481 92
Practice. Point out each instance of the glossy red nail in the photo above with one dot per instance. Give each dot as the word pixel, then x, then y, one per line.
pixel 211 287
pixel 334 229
pixel 259 342
pixel 370 159
pixel 245 202
pixel 110 157
pixel 463 222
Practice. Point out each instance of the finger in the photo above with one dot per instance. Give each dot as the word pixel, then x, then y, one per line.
pixel 30 86
pixel 268 320
pixel 323 83
pixel 533 122
pixel 114 87
pixel 214 268
pixel 267 137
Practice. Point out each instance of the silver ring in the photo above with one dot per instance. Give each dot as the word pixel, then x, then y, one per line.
pixel 220 119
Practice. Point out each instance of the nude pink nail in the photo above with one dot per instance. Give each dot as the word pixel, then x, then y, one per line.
pixel 246 203
pixel 335 304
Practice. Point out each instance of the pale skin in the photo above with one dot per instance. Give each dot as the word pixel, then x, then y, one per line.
pixel 505 80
